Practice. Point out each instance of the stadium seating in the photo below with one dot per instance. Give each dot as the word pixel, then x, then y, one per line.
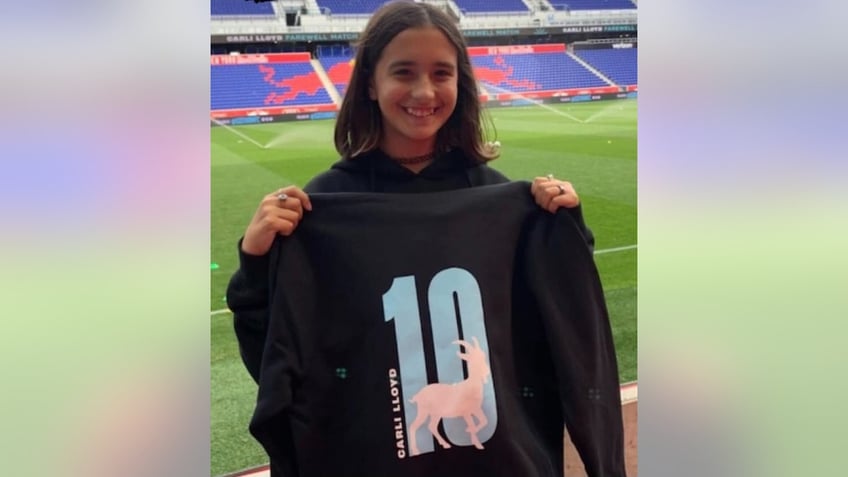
pixel 266 85
pixel 532 72
pixel 593 4
pixel 349 7
pixel 241 7
pixel 480 6
pixel 619 65
pixel 338 69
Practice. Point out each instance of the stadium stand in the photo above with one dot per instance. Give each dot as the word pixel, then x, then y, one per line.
pixel 349 7
pixel 263 85
pixel 619 65
pixel 532 72
pixel 593 4
pixel 492 6
pixel 270 28
pixel 338 69
pixel 241 7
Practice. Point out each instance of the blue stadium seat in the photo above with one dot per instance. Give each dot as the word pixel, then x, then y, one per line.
pixel 350 7
pixel 241 7
pixel 338 69
pixel 593 4
pixel 619 65
pixel 266 85
pixel 491 6
pixel 532 72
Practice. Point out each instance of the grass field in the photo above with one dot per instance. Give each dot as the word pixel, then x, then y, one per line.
pixel 591 144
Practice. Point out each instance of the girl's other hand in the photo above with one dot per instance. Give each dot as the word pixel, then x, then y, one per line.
pixel 551 193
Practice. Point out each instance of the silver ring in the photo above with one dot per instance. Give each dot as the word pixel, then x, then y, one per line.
pixel 561 189
pixel 550 177
pixel 282 196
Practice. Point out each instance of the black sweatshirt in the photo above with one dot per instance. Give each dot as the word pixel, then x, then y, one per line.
pixel 448 334
pixel 248 291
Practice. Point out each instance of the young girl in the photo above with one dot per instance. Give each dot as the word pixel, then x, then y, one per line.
pixel 410 122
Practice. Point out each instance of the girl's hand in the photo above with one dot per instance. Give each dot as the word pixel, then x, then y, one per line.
pixel 278 213
pixel 551 193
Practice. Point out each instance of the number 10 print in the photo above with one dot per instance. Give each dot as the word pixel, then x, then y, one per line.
pixel 465 406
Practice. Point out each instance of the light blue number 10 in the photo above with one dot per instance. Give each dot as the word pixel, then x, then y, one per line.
pixel 452 291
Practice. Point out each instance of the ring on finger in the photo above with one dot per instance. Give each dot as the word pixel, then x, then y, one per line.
pixel 561 189
pixel 282 196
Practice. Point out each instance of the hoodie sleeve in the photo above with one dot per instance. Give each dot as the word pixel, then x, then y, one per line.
pixel 281 355
pixel 565 285
pixel 248 299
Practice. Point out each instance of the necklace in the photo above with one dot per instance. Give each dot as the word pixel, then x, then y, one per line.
pixel 413 159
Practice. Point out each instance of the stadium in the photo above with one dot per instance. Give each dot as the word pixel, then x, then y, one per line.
pixel 557 77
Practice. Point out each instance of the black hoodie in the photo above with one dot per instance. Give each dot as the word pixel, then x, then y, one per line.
pixel 390 311
pixel 248 293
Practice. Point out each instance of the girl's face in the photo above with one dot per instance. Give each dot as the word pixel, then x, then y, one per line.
pixel 415 85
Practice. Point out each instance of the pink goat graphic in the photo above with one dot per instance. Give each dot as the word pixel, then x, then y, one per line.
pixel 463 399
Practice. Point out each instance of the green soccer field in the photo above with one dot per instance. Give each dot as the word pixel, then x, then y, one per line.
pixel 592 144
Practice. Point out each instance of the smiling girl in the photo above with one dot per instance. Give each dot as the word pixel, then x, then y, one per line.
pixel 410 122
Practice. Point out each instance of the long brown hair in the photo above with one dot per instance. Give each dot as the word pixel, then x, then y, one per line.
pixel 359 126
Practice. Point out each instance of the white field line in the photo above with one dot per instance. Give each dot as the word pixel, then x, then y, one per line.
pixel 239 134
pixel 604 111
pixel 616 249
pixel 597 252
pixel 537 103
